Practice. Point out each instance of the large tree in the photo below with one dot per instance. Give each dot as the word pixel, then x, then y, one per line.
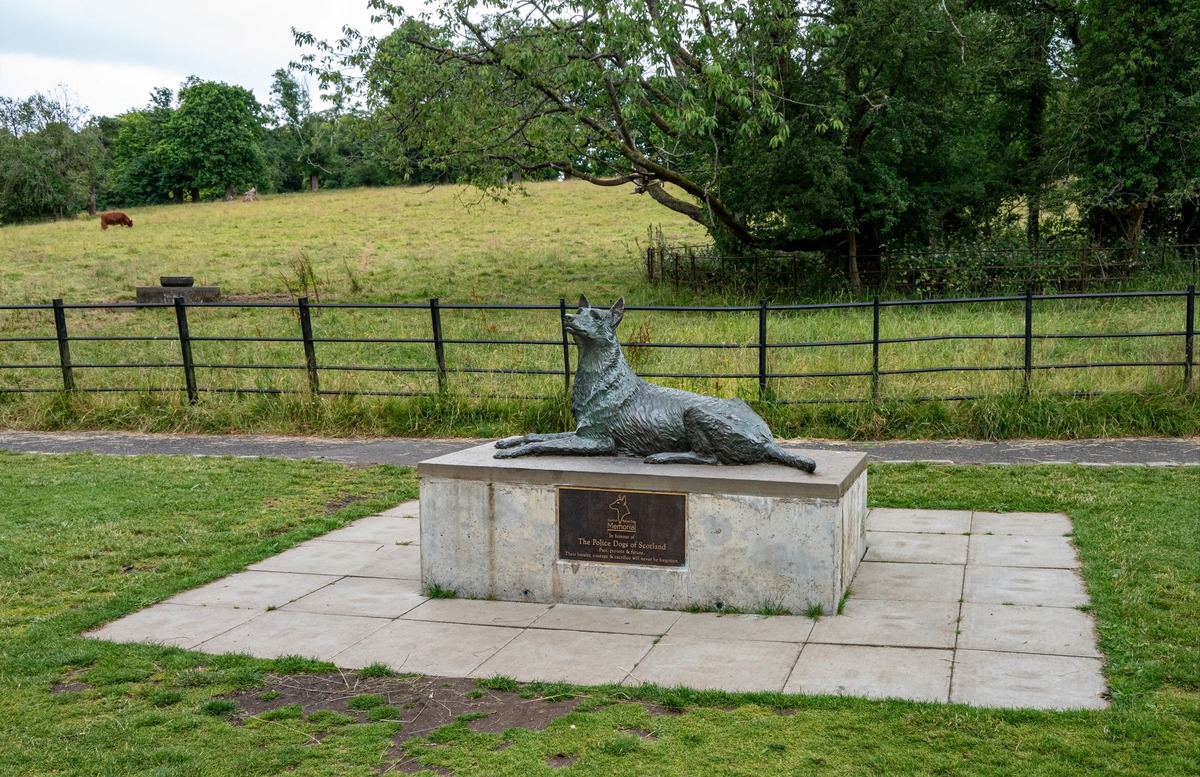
pixel 52 161
pixel 214 137
pixel 791 125
pixel 1136 102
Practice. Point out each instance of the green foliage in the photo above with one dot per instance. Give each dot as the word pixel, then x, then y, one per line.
pixel 1138 139
pixel 213 136
pixel 366 701
pixel 52 163
pixel 377 670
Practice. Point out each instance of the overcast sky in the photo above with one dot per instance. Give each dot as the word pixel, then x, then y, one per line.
pixel 109 56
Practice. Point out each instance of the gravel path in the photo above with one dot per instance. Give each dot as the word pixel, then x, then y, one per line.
pixel 407 452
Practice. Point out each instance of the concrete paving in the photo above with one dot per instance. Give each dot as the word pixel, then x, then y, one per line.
pixel 950 606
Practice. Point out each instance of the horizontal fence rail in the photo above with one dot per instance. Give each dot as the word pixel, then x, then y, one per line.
pixel 451 361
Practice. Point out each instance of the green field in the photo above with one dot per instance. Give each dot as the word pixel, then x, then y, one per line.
pixel 406 245
pixel 85 539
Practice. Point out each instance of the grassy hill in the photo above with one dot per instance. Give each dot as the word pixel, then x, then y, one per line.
pixel 390 244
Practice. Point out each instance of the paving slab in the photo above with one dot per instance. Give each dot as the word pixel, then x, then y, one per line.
pixel 891 623
pixel 381 529
pixel 1025 524
pixel 615 620
pixel 402 563
pixel 411 509
pixel 1024 585
pixel 916 548
pixel 479 611
pixel 987 679
pixel 908 582
pixel 1056 631
pixel 285 633
pixel 1006 550
pixel 774 628
pixel 254 590
pixel 916 674
pixel 179 625
pixel 318 557
pixel 717 664
pixel 585 658
pixel 370 597
pixel 926 521
pixel 443 649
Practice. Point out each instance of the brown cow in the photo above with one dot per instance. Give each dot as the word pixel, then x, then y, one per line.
pixel 116 218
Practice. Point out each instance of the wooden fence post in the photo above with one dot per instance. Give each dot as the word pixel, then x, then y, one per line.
pixel 439 349
pixel 64 347
pixel 875 350
pixel 1189 340
pixel 566 346
pixel 310 349
pixel 762 349
pixel 185 348
pixel 1028 339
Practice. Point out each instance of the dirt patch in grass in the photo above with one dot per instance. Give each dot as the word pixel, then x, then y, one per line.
pixel 423 703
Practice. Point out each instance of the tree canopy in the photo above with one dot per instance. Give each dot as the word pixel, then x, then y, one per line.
pixel 802 125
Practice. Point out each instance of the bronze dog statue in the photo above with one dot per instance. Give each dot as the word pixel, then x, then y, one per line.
pixel 616 412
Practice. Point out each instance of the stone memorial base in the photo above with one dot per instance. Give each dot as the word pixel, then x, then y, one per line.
pixel 614 531
pixel 150 295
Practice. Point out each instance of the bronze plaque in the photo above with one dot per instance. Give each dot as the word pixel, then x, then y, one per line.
pixel 622 527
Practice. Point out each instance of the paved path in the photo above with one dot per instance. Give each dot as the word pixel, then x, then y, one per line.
pixel 407 452
pixel 947 606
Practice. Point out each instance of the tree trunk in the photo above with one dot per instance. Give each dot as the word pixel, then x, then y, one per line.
pixel 852 261
pixel 92 202
pixel 312 182
pixel 177 195
pixel 1033 232
pixel 230 192
pixel 195 193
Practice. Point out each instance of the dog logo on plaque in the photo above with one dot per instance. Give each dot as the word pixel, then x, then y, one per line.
pixel 620 522
pixel 646 528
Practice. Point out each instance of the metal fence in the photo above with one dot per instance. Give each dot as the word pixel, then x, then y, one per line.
pixel 431 355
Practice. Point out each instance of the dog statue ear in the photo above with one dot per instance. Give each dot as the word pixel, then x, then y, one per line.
pixel 618 311
pixel 583 303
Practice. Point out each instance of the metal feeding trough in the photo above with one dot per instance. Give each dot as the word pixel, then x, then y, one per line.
pixel 177 287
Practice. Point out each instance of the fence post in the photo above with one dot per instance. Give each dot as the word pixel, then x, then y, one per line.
pixel 185 348
pixel 562 323
pixel 1189 341
pixel 439 350
pixel 310 349
pixel 762 349
pixel 1028 338
pixel 875 350
pixel 64 347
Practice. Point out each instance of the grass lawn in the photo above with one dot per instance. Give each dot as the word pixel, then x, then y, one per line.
pixel 85 539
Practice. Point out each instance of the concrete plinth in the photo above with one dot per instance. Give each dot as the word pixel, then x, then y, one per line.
pixel 149 295
pixel 753 537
